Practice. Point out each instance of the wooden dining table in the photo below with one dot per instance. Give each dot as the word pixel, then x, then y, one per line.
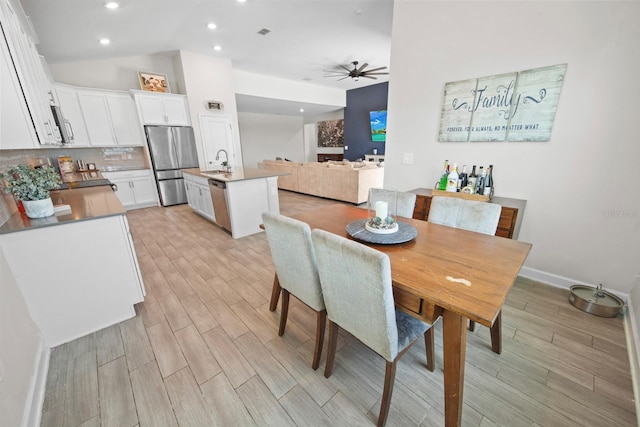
pixel 444 272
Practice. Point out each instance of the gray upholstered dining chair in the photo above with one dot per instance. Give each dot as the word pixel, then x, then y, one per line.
pixel 296 272
pixel 475 216
pixel 405 203
pixel 357 290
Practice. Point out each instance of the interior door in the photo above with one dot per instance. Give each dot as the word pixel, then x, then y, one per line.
pixel 216 135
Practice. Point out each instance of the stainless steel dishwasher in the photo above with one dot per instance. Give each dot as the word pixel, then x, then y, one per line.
pixel 219 198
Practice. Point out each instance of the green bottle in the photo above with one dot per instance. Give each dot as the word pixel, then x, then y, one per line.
pixel 442 185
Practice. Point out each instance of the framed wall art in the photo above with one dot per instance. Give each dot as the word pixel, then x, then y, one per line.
pixel 331 133
pixel 507 107
pixel 153 82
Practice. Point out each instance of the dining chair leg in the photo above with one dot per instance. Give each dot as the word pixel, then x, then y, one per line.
pixel 331 351
pixel 389 380
pixel 429 344
pixel 275 293
pixel 472 325
pixel 496 334
pixel 320 327
pixel 285 311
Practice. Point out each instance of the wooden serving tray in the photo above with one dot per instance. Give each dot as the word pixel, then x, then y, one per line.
pixel 476 197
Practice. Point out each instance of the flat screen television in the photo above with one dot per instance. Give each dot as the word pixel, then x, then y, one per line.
pixel 378 121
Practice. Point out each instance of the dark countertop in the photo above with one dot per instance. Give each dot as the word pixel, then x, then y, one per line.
pixel 241 174
pixel 86 204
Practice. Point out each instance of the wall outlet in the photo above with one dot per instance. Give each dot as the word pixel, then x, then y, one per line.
pixel 346 147
pixel 407 159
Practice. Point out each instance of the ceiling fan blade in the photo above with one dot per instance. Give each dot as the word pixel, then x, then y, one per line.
pixel 342 66
pixel 362 67
pixel 369 77
pixel 375 69
pixel 375 74
pixel 345 77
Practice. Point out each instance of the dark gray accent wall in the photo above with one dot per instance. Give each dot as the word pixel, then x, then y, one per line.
pixel 357 130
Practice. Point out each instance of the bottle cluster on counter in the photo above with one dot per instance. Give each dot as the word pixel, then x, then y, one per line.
pixel 453 180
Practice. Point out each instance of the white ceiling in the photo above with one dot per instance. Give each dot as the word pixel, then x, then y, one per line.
pixel 307 36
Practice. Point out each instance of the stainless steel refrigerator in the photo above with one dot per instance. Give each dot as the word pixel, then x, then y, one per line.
pixel 172 148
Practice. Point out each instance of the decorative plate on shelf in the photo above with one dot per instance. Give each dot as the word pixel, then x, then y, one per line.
pixel 405 233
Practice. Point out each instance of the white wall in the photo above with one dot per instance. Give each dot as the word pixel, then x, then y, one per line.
pixel 272 87
pixel 583 212
pixel 21 351
pixel 206 78
pixel 267 136
pixel 115 73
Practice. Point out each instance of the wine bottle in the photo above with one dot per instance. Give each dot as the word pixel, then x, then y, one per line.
pixel 463 179
pixel 480 184
pixel 473 179
pixel 443 179
pixel 488 182
pixel 452 179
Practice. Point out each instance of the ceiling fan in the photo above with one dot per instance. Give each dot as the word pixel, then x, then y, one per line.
pixel 356 72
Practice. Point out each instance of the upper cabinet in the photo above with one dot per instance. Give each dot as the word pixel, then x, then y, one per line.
pixel 16 128
pixel 31 76
pixel 67 99
pixel 162 108
pixel 110 118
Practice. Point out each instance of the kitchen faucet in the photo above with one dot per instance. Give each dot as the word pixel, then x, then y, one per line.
pixel 225 154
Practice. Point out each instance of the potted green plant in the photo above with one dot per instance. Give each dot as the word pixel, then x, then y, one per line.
pixel 32 186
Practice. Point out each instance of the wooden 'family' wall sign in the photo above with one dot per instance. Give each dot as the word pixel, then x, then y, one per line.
pixel 508 107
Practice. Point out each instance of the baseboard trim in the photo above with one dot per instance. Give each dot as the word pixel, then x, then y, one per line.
pixel 631 337
pixel 561 281
pixel 33 407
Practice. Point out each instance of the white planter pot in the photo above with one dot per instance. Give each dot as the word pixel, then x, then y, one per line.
pixel 38 208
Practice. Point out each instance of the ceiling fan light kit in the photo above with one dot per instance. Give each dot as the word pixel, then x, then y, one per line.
pixel 357 72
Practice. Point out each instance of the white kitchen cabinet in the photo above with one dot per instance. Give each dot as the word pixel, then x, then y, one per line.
pixel 124 119
pixel 16 128
pixel 162 108
pixel 96 117
pixel 136 189
pixel 33 81
pixel 67 99
pixel 89 279
pixel 199 195
pixel 110 118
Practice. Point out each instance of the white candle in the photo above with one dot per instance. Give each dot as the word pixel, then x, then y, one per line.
pixel 381 209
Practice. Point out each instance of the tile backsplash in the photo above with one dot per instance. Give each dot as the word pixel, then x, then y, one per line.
pixel 105 158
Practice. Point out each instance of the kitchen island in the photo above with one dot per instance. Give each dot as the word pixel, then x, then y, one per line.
pixel 77 270
pixel 235 201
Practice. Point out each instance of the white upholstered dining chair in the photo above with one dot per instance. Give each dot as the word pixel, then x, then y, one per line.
pixel 357 290
pixel 475 216
pixel 405 201
pixel 296 272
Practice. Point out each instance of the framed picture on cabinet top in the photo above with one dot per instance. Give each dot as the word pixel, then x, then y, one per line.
pixel 153 82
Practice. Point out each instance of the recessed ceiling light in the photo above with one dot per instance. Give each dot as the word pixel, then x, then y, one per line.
pixel 242 1
pixel 216 47
pixel 111 5
pixel 211 26
pixel 105 41
pixel 302 110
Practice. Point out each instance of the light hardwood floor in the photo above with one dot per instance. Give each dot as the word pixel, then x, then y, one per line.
pixel 204 350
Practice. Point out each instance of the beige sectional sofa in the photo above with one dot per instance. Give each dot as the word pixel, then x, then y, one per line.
pixel 346 181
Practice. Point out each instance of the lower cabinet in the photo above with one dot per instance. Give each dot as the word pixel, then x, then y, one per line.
pixel 89 279
pixel 136 189
pixel 199 195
